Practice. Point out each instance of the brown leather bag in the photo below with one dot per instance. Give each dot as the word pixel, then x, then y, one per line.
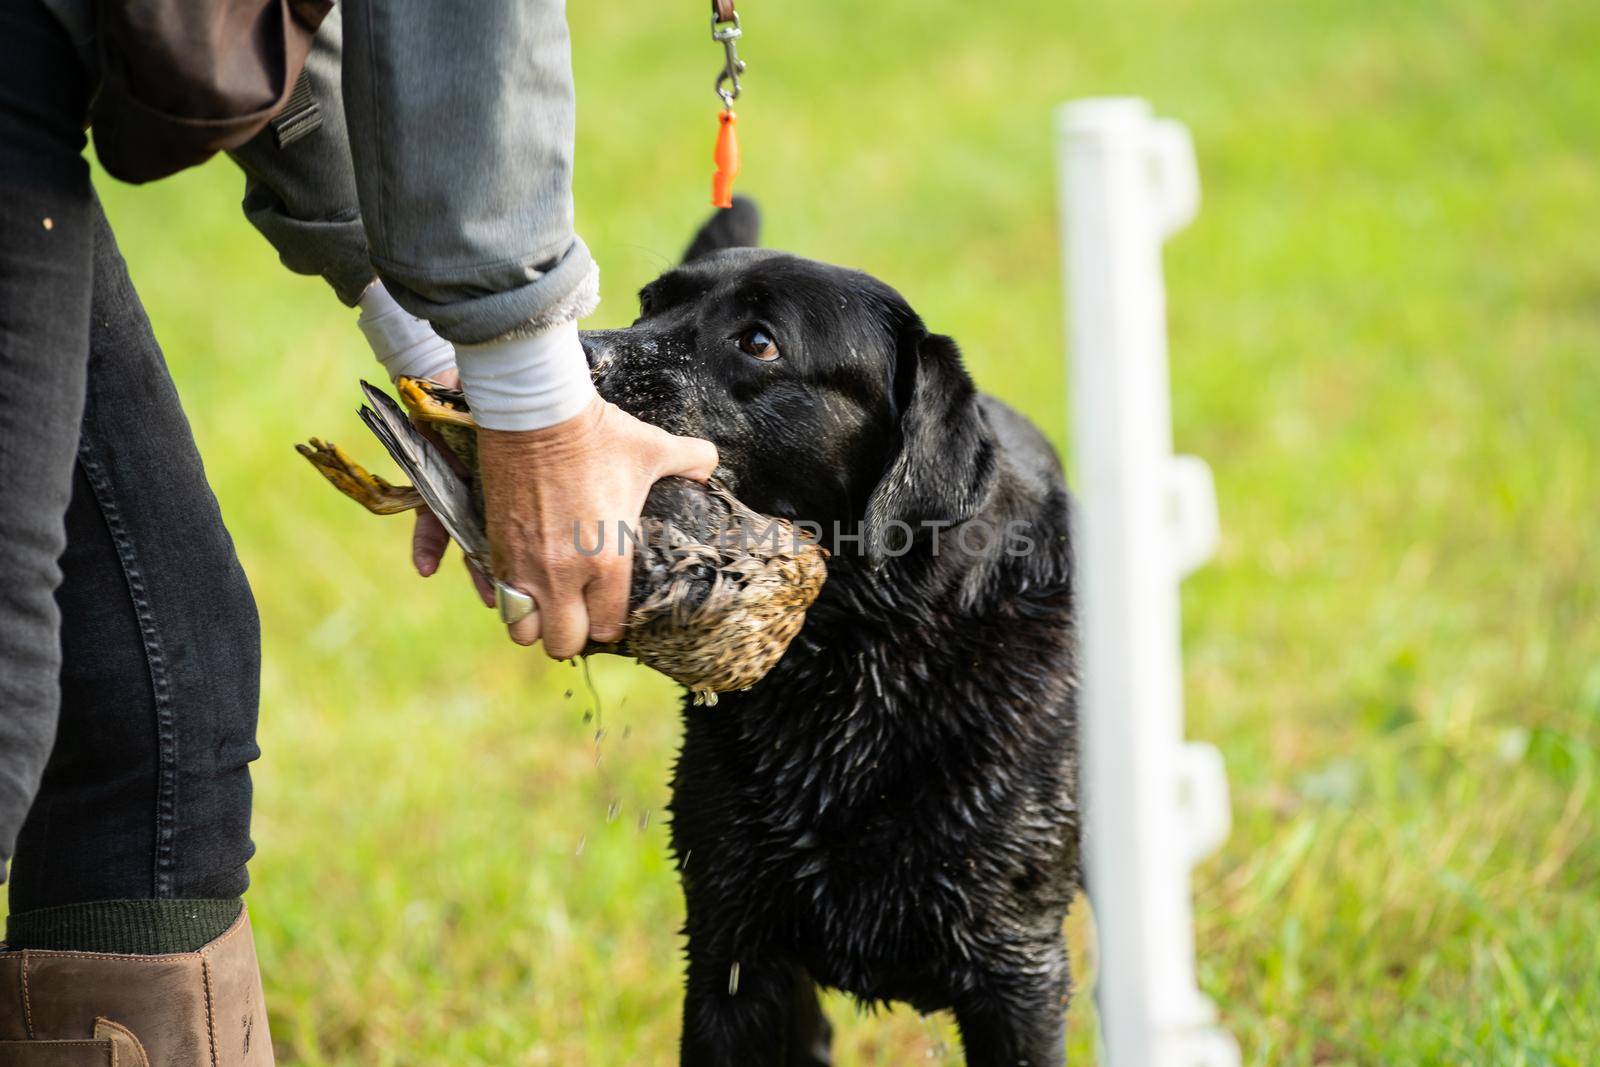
pixel 185 79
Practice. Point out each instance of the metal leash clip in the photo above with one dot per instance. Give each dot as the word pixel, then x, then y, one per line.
pixel 722 14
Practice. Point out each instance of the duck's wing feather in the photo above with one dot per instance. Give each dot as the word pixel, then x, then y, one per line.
pixel 444 491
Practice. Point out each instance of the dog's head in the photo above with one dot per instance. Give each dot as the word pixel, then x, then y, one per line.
pixel 827 398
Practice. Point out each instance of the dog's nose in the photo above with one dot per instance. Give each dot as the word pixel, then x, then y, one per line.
pixel 595 349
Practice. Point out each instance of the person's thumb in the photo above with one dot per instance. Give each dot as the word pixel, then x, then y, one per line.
pixel 686 457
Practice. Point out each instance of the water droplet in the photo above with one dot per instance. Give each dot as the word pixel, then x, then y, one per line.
pixel 594 694
pixel 733 979
pixel 644 820
pixel 584 840
pixel 614 809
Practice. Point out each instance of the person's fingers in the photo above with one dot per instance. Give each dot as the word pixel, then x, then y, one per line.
pixel 482 584
pixel 565 624
pixel 686 457
pixel 525 631
pixel 606 596
pixel 428 542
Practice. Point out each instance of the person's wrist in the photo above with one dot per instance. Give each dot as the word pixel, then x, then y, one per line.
pixel 531 383
pixel 405 345
pixel 573 437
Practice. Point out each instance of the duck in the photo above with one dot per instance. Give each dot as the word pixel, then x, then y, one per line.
pixel 718 590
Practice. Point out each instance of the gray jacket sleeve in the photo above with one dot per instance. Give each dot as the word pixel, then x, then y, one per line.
pixel 449 169
pixel 302 197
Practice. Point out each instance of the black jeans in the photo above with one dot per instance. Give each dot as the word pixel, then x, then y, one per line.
pixel 129 644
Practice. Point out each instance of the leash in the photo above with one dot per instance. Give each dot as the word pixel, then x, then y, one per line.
pixel 725 31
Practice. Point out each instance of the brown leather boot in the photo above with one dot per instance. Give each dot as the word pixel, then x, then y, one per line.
pixel 93 1009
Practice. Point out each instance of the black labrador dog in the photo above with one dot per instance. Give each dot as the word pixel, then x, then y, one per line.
pixel 892 811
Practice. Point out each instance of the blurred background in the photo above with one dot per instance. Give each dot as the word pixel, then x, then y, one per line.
pixel 1385 327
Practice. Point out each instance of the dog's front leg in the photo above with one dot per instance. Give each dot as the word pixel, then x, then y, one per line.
pixel 995 1035
pixel 764 1014
pixel 1016 1018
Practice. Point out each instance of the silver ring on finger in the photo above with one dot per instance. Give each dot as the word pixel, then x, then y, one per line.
pixel 514 604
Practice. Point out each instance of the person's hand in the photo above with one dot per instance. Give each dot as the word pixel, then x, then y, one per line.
pixel 546 490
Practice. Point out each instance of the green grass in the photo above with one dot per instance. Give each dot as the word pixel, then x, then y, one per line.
pixel 1384 329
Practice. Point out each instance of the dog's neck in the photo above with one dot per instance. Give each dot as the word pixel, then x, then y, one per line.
pixel 879 642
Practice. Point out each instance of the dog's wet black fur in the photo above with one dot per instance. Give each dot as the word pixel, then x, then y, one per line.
pixel 891 811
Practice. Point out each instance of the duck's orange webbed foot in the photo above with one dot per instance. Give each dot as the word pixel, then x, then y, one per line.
pixel 429 402
pixel 356 482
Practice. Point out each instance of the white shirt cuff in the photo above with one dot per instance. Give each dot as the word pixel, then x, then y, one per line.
pixel 403 343
pixel 526 383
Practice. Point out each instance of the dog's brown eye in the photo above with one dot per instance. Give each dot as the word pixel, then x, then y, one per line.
pixel 758 343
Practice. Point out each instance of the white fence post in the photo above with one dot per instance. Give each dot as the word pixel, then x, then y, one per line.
pixel 1154 805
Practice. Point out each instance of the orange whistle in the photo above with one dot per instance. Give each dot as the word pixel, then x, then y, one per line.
pixel 726 157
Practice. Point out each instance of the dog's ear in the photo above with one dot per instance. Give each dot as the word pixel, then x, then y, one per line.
pixel 738 226
pixel 943 468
